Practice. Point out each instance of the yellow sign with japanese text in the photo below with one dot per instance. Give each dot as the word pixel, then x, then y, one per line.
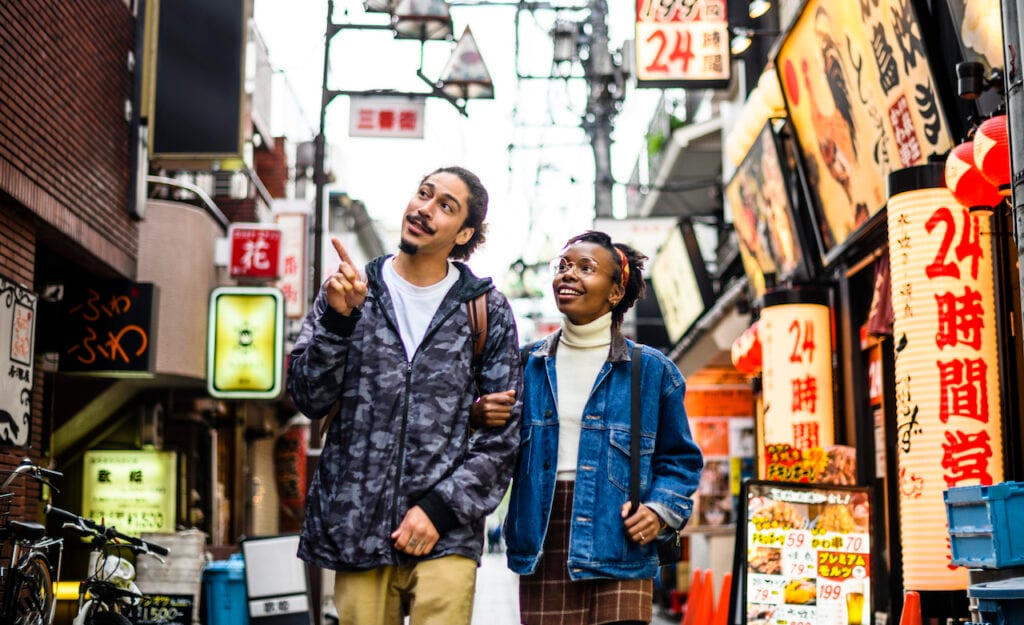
pixel 133 491
pixel 246 342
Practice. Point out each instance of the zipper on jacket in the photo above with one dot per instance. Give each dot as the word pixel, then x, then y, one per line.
pixel 401 444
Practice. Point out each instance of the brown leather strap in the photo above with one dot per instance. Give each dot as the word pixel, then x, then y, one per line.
pixel 477 308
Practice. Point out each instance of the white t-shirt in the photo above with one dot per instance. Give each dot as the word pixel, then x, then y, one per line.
pixel 415 306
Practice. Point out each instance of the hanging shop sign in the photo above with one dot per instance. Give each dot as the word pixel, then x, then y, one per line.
pixel 132 490
pixel 277 589
pixel 107 329
pixel 294 237
pixel 373 116
pixel 682 44
pixel 979 25
pixel 947 379
pixel 17 341
pixel 245 343
pixel 681 281
pixel 762 214
pixel 861 97
pixel 795 329
pixel 255 251
pixel 808 554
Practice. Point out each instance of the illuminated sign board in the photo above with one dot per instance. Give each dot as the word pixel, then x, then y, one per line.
pixel 245 343
pixel 134 491
pixel 682 44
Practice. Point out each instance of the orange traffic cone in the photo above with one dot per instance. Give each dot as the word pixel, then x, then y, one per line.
pixel 911 609
pixel 707 599
pixel 722 609
pixel 693 599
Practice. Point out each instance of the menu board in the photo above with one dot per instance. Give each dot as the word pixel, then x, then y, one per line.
pixel 808 554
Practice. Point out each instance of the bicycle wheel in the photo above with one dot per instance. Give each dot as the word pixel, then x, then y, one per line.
pixel 34 602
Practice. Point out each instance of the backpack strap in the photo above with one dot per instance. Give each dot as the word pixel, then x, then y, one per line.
pixel 477 309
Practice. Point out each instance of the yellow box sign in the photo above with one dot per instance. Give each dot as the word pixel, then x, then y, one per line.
pixel 245 343
pixel 134 491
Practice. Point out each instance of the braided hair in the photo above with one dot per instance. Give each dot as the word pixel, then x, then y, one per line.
pixel 634 287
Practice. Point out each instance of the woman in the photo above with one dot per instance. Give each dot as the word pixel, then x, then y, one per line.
pixel 582 557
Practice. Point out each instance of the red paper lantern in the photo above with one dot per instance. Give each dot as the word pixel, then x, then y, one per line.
pixel 968 185
pixel 746 351
pixel 992 152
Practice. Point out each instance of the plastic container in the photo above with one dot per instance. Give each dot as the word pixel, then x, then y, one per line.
pixel 224 595
pixel 981 522
pixel 998 603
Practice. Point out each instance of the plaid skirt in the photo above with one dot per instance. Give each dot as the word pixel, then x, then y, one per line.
pixel 549 597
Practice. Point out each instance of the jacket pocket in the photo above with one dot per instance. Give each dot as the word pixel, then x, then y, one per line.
pixel 619 461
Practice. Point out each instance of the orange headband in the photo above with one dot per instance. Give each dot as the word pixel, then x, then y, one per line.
pixel 625 266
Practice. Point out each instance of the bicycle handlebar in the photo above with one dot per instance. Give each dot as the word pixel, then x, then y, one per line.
pixel 39 474
pixel 88 526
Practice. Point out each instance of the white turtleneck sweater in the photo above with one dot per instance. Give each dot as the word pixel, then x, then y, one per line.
pixel 582 350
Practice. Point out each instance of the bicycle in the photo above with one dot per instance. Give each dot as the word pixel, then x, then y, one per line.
pixel 26 582
pixel 109 595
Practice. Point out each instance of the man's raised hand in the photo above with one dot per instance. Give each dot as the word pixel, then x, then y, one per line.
pixel 346 288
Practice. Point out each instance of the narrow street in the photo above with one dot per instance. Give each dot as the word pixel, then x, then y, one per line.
pixel 497 597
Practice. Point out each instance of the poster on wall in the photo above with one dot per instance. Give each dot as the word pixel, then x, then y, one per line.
pixel 762 214
pixel 728 446
pixel 808 554
pixel 17 335
pixel 863 102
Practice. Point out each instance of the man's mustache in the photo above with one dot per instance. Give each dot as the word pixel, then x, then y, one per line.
pixel 420 223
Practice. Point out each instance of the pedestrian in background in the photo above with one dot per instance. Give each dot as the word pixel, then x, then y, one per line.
pixel 583 557
pixel 399 499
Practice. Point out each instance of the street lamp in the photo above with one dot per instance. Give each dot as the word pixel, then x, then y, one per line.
pixel 423 20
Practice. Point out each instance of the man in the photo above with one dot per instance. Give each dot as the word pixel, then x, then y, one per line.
pixel 398 502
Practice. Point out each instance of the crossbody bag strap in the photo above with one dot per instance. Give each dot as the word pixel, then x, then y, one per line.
pixel 634 431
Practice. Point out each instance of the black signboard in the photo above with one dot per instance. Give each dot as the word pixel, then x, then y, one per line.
pixel 109 328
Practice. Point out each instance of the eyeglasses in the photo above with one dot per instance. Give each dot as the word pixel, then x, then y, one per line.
pixel 583 268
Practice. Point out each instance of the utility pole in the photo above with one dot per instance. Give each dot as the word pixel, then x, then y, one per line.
pixel 599 70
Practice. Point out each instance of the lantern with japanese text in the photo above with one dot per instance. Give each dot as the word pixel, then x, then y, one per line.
pixel 795 330
pixel 948 426
pixel 964 180
pixel 992 152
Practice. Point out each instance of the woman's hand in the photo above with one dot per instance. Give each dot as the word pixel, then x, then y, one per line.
pixel 643 526
pixel 493 409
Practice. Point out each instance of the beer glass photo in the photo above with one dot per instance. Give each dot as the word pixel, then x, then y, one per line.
pixel 855 603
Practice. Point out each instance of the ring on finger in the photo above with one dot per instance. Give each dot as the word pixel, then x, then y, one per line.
pixel 642 537
pixel 413 543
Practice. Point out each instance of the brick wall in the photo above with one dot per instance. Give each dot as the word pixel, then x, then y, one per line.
pixel 63 135
pixel 272 168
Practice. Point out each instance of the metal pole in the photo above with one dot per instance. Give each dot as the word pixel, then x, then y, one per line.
pixel 600 71
pixel 1012 29
pixel 319 158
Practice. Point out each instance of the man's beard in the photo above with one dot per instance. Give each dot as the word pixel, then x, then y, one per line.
pixel 408 247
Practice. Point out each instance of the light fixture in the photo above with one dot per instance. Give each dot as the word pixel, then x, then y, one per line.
pixel 465 76
pixel 757 8
pixel 425 20
pixel 743 37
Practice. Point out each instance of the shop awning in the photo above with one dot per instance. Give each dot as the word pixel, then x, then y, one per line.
pixel 689 179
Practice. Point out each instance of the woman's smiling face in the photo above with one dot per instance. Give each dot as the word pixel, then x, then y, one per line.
pixel 584 282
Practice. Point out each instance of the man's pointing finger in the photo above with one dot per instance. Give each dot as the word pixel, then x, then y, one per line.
pixel 342 252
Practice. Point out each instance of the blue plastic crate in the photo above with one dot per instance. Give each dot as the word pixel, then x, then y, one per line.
pixel 224 594
pixel 999 603
pixel 981 520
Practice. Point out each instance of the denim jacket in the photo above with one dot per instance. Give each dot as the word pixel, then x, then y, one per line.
pixel 670 463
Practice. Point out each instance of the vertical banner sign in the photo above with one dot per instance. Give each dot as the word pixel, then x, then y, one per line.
pixel 860 94
pixel 808 554
pixel 796 338
pixel 947 380
pixel 245 346
pixel 255 251
pixel 293 262
pixel 17 341
pixel 135 491
pixel 682 43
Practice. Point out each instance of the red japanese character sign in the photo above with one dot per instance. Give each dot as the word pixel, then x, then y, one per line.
pixel 255 251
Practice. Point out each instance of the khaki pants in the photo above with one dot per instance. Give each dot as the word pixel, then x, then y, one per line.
pixel 438 592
